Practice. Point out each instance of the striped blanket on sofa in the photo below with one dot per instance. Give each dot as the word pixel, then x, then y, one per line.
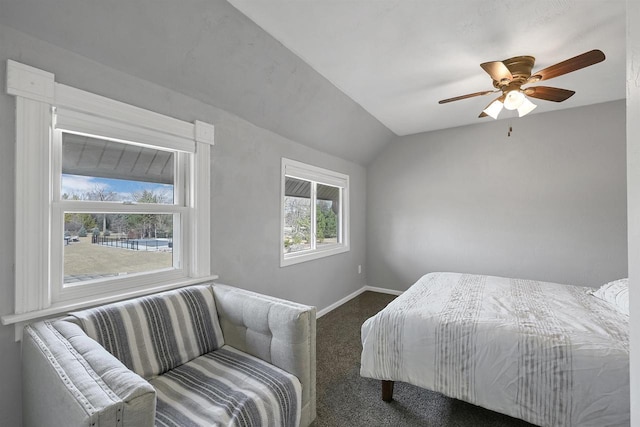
pixel 174 341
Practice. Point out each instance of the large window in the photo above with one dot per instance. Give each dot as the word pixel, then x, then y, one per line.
pixel 120 204
pixel 111 200
pixel 315 208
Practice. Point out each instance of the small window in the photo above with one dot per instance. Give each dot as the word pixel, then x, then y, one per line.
pixel 314 212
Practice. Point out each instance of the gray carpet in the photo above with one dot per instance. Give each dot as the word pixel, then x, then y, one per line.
pixel 346 399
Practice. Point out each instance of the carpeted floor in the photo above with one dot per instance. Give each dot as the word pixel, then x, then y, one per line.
pixel 346 399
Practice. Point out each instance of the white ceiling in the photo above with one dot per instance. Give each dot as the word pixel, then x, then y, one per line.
pixel 398 58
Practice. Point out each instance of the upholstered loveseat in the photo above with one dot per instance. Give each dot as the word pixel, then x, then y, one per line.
pixel 206 354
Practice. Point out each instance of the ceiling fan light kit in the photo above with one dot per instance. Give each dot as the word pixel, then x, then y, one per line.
pixel 509 77
pixel 526 107
pixel 493 109
pixel 513 100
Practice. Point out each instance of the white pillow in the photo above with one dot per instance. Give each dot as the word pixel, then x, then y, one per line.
pixel 615 293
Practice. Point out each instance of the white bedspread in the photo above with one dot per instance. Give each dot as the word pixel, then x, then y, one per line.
pixel 547 353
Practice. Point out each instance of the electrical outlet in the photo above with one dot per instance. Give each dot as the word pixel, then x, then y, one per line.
pixel 359 269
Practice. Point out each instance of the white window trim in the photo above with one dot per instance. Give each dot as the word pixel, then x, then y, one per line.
pixel 296 169
pixel 37 94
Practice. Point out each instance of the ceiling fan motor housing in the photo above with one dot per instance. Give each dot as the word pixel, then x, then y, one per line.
pixel 520 68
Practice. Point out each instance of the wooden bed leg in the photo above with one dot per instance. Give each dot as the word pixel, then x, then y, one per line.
pixel 387 390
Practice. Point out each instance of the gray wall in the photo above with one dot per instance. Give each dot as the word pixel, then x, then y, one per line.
pixel 245 219
pixel 547 203
pixel 245 195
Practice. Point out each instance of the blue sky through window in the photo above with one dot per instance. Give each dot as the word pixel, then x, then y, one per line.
pixel 123 190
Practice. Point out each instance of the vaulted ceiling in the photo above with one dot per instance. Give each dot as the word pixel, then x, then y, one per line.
pixel 341 76
pixel 397 58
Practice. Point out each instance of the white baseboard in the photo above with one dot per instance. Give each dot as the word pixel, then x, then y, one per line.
pixel 351 296
pixel 382 290
pixel 338 303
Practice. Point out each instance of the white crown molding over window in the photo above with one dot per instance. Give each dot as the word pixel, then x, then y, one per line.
pixel 204 132
pixel 39 102
pixel 29 82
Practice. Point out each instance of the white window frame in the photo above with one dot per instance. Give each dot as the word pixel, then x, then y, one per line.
pixel 317 175
pixel 43 109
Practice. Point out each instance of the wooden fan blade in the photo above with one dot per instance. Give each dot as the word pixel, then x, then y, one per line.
pixel 572 64
pixel 497 70
pixel 471 95
pixel 548 93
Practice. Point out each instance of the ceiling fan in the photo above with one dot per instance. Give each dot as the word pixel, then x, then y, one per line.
pixel 509 77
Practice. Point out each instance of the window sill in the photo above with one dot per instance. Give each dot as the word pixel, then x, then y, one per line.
pixel 64 307
pixel 299 257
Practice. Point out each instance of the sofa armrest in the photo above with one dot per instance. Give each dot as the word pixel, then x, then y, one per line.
pixel 278 331
pixel 69 379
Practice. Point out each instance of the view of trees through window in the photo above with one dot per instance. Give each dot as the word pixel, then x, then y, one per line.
pixel 326 222
pixel 297 224
pixel 298 228
pixel 99 244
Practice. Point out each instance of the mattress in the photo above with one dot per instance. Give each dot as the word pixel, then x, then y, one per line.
pixel 547 353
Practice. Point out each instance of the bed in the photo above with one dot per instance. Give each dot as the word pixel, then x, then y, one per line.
pixel 547 353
